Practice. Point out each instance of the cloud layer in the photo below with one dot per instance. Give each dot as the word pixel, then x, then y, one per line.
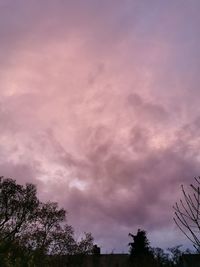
pixel 99 107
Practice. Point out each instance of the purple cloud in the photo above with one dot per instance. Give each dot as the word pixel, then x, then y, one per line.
pixel 99 107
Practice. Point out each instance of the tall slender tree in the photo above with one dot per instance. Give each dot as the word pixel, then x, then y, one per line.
pixel 140 244
pixel 140 251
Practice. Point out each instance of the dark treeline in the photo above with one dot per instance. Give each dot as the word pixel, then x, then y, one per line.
pixel 33 233
pixel 141 254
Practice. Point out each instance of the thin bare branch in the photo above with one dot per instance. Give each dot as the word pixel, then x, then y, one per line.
pixel 187 214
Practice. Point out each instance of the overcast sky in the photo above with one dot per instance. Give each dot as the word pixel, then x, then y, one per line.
pixel 99 106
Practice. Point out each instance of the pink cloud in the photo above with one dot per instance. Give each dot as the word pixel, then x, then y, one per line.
pixel 99 107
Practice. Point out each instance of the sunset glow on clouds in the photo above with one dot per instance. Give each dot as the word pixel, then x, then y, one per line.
pixel 99 106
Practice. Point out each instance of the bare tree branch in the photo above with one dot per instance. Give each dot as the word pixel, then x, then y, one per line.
pixel 187 213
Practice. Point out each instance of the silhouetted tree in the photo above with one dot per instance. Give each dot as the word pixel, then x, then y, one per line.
pixel 63 242
pixel 85 245
pixel 176 254
pixel 30 230
pixel 17 206
pixel 172 259
pixel 162 258
pixel 140 244
pixel 187 214
pixel 140 252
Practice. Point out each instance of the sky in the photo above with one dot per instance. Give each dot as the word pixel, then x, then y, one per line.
pixel 99 107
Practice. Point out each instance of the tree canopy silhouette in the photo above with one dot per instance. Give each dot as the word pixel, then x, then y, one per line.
pixel 31 229
pixel 140 244
pixel 140 251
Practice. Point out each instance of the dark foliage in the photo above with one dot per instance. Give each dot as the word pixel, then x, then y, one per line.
pixel 140 244
pixel 140 251
pixel 30 230
pixel 141 254
pixel 33 233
